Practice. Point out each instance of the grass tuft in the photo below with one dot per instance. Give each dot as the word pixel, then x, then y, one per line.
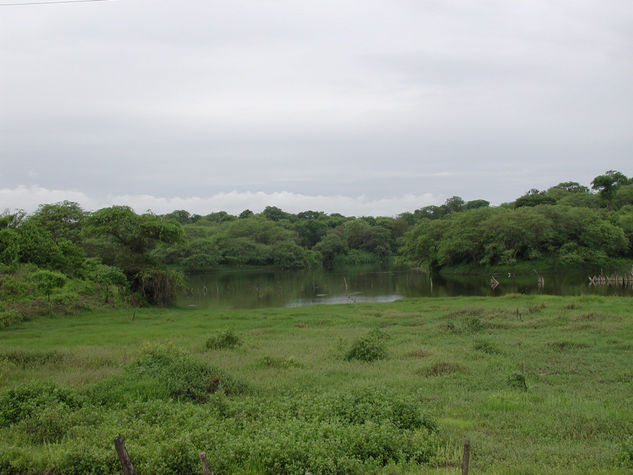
pixel 225 340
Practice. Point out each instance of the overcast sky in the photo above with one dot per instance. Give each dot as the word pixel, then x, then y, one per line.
pixel 359 107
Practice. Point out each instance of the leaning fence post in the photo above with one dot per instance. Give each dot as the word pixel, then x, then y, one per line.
pixel 124 458
pixel 466 457
pixel 205 466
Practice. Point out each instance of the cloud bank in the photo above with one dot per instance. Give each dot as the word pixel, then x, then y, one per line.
pixel 234 202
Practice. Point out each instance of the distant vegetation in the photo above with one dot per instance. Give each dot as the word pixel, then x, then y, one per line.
pixel 62 256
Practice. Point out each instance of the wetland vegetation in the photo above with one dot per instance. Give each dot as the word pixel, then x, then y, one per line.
pixel 539 384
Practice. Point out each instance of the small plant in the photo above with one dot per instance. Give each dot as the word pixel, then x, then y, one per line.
pixel 517 380
pixel 441 368
pixel 369 347
pixel 474 325
pixel 468 325
pixel 47 281
pixel 486 347
pixel 224 340
pixel 272 362
pixel 536 308
pixel 626 452
pixel 567 345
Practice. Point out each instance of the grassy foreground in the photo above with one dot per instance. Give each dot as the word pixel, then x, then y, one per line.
pixel 539 384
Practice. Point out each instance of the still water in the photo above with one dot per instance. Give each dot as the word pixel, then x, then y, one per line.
pixel 253 289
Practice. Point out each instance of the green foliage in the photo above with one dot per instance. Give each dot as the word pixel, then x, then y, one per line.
pixel 183 377
pixel 19 403
pixel 626 452
pixel 517 381
pixel 486 347
pixel 224 340
pixel 369 347
pixel 506 236
pixel 62 220
pixel 108 277
pixel 607 184
pixel 47 281
pixel 157 286
pixel 124 239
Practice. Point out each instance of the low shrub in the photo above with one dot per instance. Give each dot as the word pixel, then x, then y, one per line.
pixel 486 347
pixel 184 377
pixel 20 403
pixel 224 340
pixel 369 347
pixel 517 381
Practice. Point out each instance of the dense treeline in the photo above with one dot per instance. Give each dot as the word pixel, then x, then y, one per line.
pixel 286 240
pixel 62 257
pixel 116 252
pixel 567 224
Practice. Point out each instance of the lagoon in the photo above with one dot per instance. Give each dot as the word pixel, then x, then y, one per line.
pixel 277 288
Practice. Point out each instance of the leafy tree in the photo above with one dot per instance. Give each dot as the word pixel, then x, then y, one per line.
pixel 124 239
pixel 183 217
pixel 623 196
pixel 570 187
pixel 474 204
pixel 332 245
pixel 219 217
pixel 107 277
pixel 9 246
pixel 606 184
pixel 62 220
pixel 47 281
pixel 130 236
pixel 454 204
pixel 274 214
pixel 534 197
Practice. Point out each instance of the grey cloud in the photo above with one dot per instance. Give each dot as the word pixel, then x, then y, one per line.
pixel 328 98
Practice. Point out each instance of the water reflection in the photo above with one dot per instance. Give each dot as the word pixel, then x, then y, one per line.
pixel 252 289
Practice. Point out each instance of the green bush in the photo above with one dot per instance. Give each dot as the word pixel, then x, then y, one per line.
pixel 224 340
pixel 184 377
pixel 47 424
pixel 369 347
pixel 19 403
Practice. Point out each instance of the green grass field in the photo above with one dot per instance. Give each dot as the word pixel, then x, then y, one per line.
pixel 538 384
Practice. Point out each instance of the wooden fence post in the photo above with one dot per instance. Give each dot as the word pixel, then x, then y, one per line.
pixel 466 458
pixel 124 458
pixel 205 466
